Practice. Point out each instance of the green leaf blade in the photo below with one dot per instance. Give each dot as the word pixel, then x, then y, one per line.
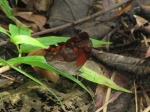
pixel 39 61
pixel 6 8
pixel 46 41
pixel 24 39
pixel 53 40
pixel 29 76
pixel 100 79
pixel 4 31
pixel 19 30
pixel 96 42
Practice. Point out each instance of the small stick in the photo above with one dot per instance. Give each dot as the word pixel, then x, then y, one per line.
pixel 4 69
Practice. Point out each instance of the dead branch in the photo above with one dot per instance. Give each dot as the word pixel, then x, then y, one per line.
pixel 123 63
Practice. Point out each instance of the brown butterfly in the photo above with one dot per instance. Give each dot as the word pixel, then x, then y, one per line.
pixel 68 56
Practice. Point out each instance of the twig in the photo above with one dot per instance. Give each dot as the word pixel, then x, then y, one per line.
pixel 12 79
pixel 146 97
pixel 123 63
pixel 136 103
pixel 4 69
pixel 80 20
pixel 147 109
pixel 109 92
pixel 101 108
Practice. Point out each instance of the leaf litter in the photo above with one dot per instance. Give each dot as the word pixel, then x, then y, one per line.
pixel 127 27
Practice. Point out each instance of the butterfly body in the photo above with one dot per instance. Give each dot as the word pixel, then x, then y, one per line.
pixel 69 56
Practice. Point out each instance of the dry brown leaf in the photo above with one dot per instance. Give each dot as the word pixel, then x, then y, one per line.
pixel 124 9
pixel 29 16
pixel 100 95
pixel 142 24
pixel 140 21
pixel 122 82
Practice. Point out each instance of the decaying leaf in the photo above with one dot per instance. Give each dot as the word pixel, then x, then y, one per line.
pixel 34 18
pixel 123 9
pixel 142 24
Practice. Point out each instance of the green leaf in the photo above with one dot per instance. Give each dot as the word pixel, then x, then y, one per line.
pixel 53 40
pixel 29 76
pixel 6 8
pixel 100 79
pixel 4 31
pixel 96 42
pixel 39 61
pixel 16 2
pixel 21 39
pixel 21 35
pixel 46 41
pixel 19 30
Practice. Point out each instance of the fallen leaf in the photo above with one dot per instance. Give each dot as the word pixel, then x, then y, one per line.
pixel 142 24
pixel 29 16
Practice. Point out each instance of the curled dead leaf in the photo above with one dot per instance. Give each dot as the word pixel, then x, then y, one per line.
pixel 142 24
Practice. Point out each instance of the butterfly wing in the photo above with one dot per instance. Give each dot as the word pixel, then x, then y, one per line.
pixel 81 45
pixel 72 54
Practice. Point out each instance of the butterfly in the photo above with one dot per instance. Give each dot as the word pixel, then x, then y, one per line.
pixel 71 55
pixel 67 56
